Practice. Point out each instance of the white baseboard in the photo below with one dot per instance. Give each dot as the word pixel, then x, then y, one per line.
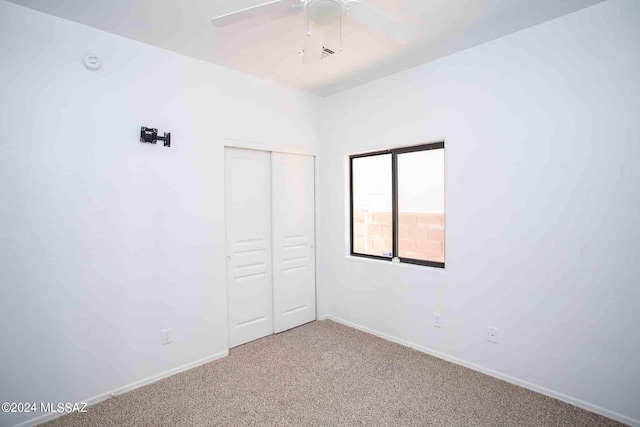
pixel 534 387
pixel 325 317
pixel 128 387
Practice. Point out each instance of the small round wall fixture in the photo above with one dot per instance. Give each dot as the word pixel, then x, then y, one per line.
pixel 92 62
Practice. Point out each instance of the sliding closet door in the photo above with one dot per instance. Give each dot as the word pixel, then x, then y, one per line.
pixel 249 260
pixel 294 290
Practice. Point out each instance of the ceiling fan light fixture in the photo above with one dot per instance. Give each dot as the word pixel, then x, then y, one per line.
pixel 325 12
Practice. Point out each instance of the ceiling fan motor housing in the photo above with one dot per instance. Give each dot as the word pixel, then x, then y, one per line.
pixel 325 12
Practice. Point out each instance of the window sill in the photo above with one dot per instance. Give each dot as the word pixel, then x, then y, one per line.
pixel 397 264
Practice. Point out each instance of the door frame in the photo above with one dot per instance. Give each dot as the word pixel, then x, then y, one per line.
pixel 277 148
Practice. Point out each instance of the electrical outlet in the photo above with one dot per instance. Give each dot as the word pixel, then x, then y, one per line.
pixel 167 336
pixel 492 335
pixel 437 320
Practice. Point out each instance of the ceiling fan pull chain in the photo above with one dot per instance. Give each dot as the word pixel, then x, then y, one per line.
pixel 340 33
pixel 308 28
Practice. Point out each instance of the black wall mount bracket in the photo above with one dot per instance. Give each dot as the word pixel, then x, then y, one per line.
pixel 150 135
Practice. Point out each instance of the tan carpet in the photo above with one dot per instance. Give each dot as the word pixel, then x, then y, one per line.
pixel 327 374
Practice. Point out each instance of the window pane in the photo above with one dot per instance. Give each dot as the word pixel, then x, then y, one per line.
pixel 372 230
pixel 421 205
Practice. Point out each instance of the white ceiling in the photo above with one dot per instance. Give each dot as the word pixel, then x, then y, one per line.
pixel 269 50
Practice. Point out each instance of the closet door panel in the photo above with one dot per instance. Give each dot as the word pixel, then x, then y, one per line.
pixel 248 244
pixel 293 231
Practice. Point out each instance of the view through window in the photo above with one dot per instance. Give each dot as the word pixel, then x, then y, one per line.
pixel 397 203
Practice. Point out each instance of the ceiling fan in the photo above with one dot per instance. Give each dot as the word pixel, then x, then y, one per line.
pixel 320 17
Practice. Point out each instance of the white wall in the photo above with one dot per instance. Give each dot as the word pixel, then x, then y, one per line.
pixel 104 240
pixel 542 199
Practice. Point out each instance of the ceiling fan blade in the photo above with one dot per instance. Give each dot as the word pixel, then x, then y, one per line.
pixel 380 21
pixel 267 11
pixel 313 45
